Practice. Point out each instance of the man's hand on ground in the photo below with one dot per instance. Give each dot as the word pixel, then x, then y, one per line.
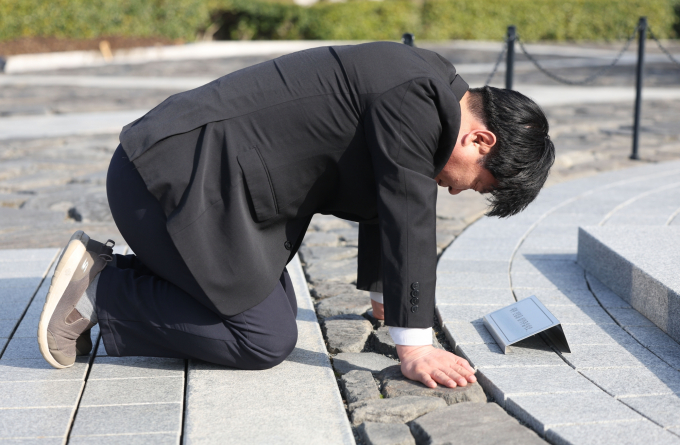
pixel 378 310
pixel 430 366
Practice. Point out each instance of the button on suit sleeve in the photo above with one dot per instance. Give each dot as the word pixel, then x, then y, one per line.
pixel 402 131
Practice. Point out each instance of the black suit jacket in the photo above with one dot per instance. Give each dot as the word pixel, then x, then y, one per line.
pixel 240 166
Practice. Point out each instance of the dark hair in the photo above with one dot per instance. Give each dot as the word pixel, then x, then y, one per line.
pixel 523 154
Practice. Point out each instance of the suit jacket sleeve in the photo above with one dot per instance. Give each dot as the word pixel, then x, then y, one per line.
pixel 404 129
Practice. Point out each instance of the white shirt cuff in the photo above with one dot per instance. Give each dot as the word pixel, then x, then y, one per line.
pixel 377 297
pixel 411 336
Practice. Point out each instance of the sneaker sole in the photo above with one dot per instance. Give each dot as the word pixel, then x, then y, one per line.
pixel 66 268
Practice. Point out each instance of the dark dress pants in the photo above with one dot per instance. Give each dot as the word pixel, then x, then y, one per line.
pixel 148 304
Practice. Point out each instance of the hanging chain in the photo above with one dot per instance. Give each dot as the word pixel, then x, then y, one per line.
pixel 498 62
pixel 665 51
pixel 588 79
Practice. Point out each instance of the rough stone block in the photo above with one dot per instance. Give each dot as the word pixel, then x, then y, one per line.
pixel 610 356
pixel 543 411
pixel 126 391
pixel 464 333
pixel 359 385
pixel 377 323
pixel 326 289
pixel 348 335
pixel 490 356
pixel 35 422
pixel 605 296
pixel 473 280
pixel 382 342
pixel 348 236
pixel 20 394
pixel 633 432
pixel 400 410
pixel 471 313
pixel 128 419
pixel 475 296
pixel 502 383
pixel 320 239
pixel 639 381
pixel 135 367
pixel 662 409
pixel 321 254
pixel 343 304
pixel 483 424
pixel 362 361
pixel 385 434
pixel 324 223
pixel 394 384
pixel 559 297
pixel 343 270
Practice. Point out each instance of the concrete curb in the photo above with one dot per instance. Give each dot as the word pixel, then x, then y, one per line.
pixel 201 50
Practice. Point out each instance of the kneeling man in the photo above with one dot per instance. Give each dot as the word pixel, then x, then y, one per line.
pixel 214 188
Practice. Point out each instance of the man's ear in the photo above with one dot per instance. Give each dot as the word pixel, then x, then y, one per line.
pixel 484 140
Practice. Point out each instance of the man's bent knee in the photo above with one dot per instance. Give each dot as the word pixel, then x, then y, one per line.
pixel 270 354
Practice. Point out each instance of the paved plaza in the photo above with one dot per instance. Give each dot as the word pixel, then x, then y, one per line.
pixel 342 384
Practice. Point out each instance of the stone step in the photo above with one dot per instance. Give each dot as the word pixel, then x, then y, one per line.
pixel 640 264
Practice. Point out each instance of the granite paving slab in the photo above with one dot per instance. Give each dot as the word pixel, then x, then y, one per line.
pixel 545 411
pixel 502 383
pixel 629 433
pixel 663 409
pixel 295 402
pixel 640 381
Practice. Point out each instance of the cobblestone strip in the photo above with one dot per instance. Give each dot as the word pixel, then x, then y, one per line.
pixel 383 406
pixel 580 396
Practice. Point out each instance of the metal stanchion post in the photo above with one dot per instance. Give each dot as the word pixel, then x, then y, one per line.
pixel 510 57
pixel 408 39
pixel 642 35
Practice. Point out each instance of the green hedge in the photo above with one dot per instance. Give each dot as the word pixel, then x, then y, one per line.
pixel 82 19
pixel 369 20
pixel 545 19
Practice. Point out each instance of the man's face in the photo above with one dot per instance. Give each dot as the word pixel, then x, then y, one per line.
pixel 464 169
